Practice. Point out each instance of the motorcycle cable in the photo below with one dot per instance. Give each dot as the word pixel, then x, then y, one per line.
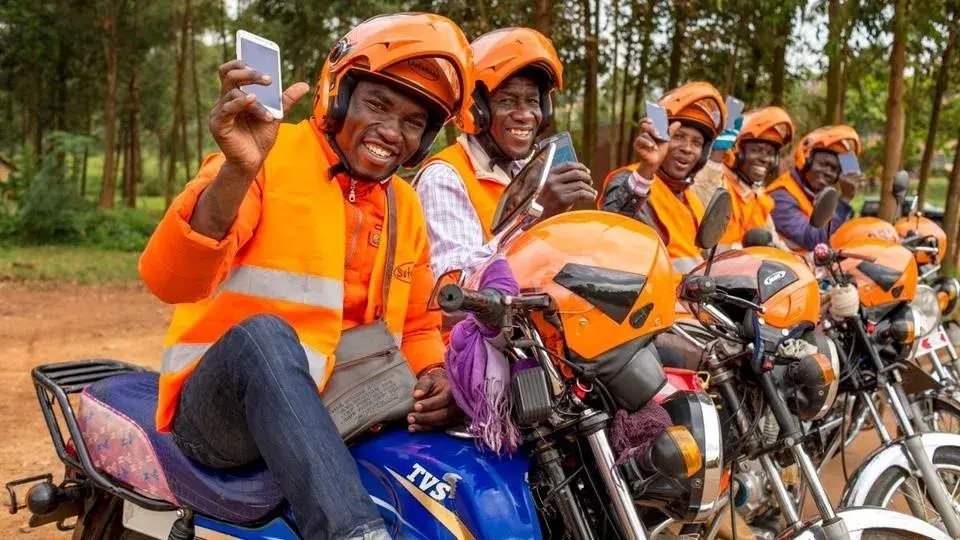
pixel 605 395
pixel 596 492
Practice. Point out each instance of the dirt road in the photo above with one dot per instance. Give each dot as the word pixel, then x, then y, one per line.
pixel 65 323
pixel 54 325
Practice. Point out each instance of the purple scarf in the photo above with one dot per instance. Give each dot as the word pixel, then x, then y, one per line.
pixel 479 373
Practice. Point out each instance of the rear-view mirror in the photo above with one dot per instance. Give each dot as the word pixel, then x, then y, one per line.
pixel 715 220
pixel 452 276
pixel 519 200
pixel 824 206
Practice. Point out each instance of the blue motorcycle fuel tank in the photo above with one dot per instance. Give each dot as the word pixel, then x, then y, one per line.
pixel 430 486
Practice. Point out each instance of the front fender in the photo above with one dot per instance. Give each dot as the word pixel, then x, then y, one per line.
pixel 859 520
pixel 892 455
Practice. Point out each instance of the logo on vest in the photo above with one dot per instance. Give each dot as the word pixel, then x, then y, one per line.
pixel 773 278
pixel 404 272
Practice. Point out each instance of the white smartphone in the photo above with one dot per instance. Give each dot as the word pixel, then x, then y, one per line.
pixel 658 115
pixel 734 110
pixel 262 55
pixel 848 163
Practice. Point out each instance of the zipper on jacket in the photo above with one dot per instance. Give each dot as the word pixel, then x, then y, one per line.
pixel 352 197
pixel 359 225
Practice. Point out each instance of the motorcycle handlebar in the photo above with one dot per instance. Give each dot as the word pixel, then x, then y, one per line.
pixel 486 304
pixel 695 288
pixel 824 255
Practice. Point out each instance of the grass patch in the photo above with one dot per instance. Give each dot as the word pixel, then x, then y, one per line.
pixel 68 264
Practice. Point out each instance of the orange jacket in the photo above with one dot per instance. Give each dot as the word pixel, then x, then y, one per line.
pixel 749 210
pixel 297 249
pixel 484 191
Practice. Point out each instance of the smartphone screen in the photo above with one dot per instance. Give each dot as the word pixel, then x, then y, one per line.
pixel 658 115
pixel 734 110
pixel 265 59
pixel 564 143
pixel 849 163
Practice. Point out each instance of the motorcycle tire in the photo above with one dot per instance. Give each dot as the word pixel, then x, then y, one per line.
pixel 102 519
pixel 943 412
pixel 947 463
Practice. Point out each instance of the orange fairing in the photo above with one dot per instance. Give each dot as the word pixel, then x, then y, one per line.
pixel 838 139
pixel 890 277
pixel 778 280
pixel 924 227
pixel 618 256
pixel 424 53
pixel 857 230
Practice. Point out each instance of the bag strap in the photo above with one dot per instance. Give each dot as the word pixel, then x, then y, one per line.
pixel 391 247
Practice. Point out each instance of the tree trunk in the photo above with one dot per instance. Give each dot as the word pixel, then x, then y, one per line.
pixel 86 150
pixel 834 52
pixel 613 80
pixel 175 127
pixel 198 111
pixel 223 30
pixel 542 10
pixel 952 213
pixel 120 167
pixel 589 146
pixel 676 47
pixel 622 130
pixel 778 70
pixel 108 183
pixel 641 82
pixel 943 78
pixel 135 165
pixel 893 138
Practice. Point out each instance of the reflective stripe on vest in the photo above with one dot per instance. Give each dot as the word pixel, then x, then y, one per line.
pixel 182 355
pixel 286 286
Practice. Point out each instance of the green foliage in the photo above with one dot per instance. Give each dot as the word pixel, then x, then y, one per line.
pixel 122 229
pixel 38 265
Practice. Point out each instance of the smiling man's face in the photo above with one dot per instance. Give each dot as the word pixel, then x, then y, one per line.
pixel 686 147
pixel 382 129
pixel 515 116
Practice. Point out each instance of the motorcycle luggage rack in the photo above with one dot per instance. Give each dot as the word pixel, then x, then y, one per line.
pixel 58 381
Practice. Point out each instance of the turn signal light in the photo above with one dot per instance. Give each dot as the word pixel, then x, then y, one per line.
pixel 688 448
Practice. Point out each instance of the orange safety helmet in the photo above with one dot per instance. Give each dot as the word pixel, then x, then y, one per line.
pixel 860 229
pixel 698 105
pixel 770 124
pixel 838 139
pixel 606 296
pixel 497 56
pixel 421 54
pixel 924 227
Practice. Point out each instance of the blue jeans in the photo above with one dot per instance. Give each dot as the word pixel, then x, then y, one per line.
pixel 252 398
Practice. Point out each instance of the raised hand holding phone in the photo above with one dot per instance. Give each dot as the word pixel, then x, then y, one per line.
pixel 245 128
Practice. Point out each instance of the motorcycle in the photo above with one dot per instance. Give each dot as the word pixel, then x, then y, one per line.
pixel 123 479
pixel 774 373
pixel 878 344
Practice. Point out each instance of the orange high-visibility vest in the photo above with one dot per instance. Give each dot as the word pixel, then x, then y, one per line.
pixel 291 265
pixel 746 213
pixel 484 192
pixel 786 182
pixel 681 219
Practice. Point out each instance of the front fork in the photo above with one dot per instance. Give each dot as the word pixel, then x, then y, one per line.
pixel 593 426
pixel 936 489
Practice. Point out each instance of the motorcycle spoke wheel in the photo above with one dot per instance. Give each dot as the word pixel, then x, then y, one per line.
pixel 900 491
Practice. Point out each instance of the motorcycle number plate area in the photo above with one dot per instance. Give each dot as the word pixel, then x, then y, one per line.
pixel 934 342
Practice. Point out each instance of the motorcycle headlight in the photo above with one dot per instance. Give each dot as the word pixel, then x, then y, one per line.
pixel 926 308
pixel 948 289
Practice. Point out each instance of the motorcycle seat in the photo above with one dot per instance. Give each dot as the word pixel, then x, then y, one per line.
pixel 116 418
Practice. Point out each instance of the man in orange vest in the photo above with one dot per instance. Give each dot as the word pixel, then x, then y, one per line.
pixel 815 166
pixel 747 163
pixel 280 244
pixel 515 69
pixel 657 189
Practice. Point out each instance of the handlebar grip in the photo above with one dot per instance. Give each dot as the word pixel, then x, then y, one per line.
pixel 485 304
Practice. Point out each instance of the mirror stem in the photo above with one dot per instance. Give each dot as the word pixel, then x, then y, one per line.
pixel 713 251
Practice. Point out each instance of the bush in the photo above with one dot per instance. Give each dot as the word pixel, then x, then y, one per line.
pixel 121 229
